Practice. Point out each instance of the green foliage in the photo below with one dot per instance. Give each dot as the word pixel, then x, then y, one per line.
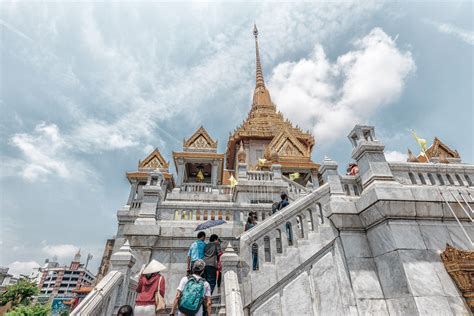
pixel 31 310
pixel 19 293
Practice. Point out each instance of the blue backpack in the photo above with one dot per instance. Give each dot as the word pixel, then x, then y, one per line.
pixel 192 296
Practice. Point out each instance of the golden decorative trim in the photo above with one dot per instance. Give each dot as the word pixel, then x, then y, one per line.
pixel 460 266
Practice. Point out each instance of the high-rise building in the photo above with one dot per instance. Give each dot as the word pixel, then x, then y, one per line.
pixel 61 280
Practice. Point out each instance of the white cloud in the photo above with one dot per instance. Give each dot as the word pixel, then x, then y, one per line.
pixel 329 98
pixel 45 152
pixel 119 88
pixel 60 251
pixel 393 155
pixel 22 267
pixel 466 36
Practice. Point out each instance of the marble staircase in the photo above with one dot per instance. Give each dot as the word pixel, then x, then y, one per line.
pixel 288 241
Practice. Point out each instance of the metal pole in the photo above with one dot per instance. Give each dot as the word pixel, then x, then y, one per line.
pixel 462 196
pixel 461 205
pixel 457 219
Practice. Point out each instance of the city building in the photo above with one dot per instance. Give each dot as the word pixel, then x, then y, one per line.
pixel 370 242
pixel 6 278
pixel 61 280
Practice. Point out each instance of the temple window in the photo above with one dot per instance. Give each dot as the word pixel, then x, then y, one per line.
pixel 450 180
pixel 346 189
pixel 268 254
pixel 458 178
pixel 432 180
pixel 289 233
pixel 198 215
pixel 299 221
pixel 176 215
pixel 468 179
pixel 279 247
pixel 412 178
pixel 356 190
pixel 310 220
pixel 212 215
pixel 204 215
pixel 422 179
pixel 440 179
pixel 320 215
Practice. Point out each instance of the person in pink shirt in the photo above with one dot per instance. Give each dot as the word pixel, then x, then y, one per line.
pixel 149 283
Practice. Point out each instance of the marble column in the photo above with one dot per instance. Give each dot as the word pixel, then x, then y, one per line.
pixel 181 171
pixel 214 171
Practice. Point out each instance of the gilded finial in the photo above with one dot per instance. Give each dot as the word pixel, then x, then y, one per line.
pixel 259 72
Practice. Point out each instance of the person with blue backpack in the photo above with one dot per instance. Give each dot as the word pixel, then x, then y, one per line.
pixel 192 293
pixel 196 251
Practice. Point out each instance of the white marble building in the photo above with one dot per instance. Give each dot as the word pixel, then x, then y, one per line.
pixel 364 244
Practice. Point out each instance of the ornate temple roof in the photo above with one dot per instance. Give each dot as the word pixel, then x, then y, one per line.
pixel 265 122
pixel 199 147
pixel 199 141
pixel 154 160
pixel 439 150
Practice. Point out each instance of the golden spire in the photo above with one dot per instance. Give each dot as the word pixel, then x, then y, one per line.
pixel 259 73
pixel 261 97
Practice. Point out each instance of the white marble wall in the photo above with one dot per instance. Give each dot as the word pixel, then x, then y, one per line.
pixel 412 276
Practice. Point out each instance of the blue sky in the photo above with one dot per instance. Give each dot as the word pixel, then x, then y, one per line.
pixel 88 89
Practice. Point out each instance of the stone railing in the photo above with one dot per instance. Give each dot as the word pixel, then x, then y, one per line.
pixel 228 213
pixel 433 174
pixel 260 175
pixel 225 189
pixel 350 185
pixel 294 189
pixel 283 228
pixel 117 288
pixel 101 300
pixel 196 187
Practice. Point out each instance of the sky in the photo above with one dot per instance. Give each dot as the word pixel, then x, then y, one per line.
pixel 88 89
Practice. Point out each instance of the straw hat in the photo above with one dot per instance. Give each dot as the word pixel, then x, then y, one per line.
pixel 154 266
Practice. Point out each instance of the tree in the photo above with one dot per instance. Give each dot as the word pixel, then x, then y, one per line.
pixel 30 310
pixel 19 293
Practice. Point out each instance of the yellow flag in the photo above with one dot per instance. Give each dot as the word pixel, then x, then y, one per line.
pixel 294 176
pixel 233 181
pixel 420 141
pixel 261 161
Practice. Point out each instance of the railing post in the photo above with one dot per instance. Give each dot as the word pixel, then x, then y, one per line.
pixel 242 171
pixel 276 169
pixel 230 296
pixel 330 175
pixel 123 261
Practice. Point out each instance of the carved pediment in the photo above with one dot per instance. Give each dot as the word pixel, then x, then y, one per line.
pixel 200 140
pixel 459 264
pixel 439 149
pixel 287 145
pixel 154 161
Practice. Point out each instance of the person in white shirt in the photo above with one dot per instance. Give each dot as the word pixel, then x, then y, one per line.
pixel 198 270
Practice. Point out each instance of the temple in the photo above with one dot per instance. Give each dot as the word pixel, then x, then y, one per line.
pixel 387 238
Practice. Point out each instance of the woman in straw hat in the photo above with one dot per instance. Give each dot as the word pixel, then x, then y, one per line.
pixel 150 284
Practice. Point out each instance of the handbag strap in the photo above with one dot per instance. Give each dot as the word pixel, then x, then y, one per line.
pixel 159 284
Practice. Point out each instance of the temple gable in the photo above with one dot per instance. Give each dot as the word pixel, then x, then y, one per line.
pixel 153 161
pixel 200 140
